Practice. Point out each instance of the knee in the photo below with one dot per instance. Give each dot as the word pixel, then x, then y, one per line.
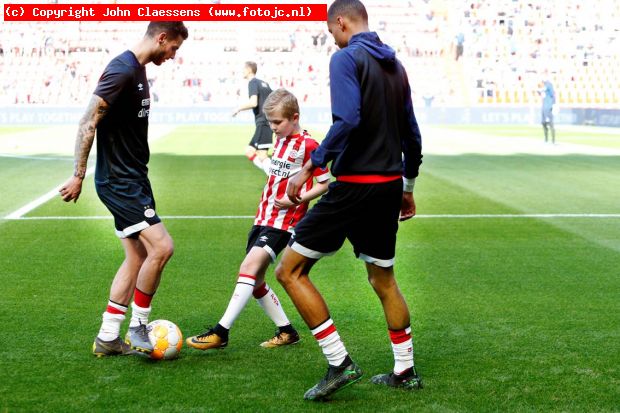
pixel 382 282
pixel 280 275
pixel 163 250
pixel 283 275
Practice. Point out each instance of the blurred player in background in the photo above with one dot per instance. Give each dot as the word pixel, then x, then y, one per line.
pixel 374 127
pixel 118 112
pixel 275 220
pixel 548 109
pixel 261 142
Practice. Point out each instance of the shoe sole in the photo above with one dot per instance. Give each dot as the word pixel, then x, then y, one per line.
pixel 195 347
pixel 99 354
pixel 280 345
pixel 142 350
pixel 416 385
pixel 325 398
pixel 139 350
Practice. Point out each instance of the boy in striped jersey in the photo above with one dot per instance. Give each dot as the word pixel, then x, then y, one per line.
pixel 275 219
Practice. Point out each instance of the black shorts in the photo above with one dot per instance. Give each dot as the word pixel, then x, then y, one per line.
pixel 263 137
pixel 131 204
pixel 270 239
pixel 365 214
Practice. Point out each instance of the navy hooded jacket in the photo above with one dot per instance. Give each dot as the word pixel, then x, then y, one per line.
pixel 374 126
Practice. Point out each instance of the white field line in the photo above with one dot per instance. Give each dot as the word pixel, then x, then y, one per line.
pixel 161 131
pixel 42 199
pixel 438 216
pixel 36 158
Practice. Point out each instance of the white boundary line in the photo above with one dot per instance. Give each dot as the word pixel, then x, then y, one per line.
pixel 439 216
pixel 18 214
pixel 42 199
pixel 36 158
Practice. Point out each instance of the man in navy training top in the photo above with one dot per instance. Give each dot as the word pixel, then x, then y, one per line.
pixel 373 128
pixel 119 113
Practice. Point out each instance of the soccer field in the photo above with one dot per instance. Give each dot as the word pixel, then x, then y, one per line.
pixel 510 270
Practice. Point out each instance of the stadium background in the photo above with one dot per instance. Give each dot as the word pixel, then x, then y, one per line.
pixel 510 268
pixel 509 48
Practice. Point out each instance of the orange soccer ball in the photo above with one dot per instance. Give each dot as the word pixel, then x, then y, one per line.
pixel 166 338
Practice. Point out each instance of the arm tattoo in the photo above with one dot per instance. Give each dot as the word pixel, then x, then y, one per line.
pixel 96 110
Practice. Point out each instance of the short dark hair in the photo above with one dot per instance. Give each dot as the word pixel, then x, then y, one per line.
pixel 350 8
pixel 172 29
pixel 252 66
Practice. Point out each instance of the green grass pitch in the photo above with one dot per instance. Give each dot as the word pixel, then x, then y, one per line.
pixel 512 312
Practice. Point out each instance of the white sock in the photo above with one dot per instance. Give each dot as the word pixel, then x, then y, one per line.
pixel 110 326
pixel 329 340
pixel 239 299
pixel 270 303
pixel 266 165
pixel 262 164
pixel 139 315
pixel 402 346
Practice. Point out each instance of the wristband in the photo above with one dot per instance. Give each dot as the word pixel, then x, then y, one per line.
pixel 408 184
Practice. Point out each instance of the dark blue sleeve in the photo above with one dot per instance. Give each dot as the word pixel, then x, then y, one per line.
pixel 253 87
pixel 346 101
pixel 112 82
pixel 411 140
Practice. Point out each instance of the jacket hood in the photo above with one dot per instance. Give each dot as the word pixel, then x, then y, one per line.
pixel 371 42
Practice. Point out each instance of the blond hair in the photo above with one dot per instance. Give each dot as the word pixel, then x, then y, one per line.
pixel 283 100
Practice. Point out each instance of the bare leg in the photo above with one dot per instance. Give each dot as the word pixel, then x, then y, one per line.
pixel 398 321
pixel 120 294
pixel 292 273
pixel 159 248
pixel 394 305
pixel 125 279
pixel 261 154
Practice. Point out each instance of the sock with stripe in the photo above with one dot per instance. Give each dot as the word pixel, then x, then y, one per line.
pixel 270 303
pixel 113 317
pixel 402 346
pixel 140 308
pixel 329 340
pixel 262 164
pixel 266 164
pixel 239 299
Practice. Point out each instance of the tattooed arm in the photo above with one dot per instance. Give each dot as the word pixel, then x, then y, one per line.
pixel 97 109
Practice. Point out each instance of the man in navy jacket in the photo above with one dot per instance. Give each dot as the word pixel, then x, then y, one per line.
pixel 375 147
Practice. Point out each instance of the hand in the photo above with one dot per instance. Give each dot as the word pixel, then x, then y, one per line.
pixel 71 190
pixel 407 208
pixel 235 113
pixel 296 182
pixel 284 202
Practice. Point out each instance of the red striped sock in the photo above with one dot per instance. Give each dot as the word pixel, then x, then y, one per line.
pixel 330 342
pixel 112 319
pixel 142 299
pixel 402 346
pixel 260 291
pixel 115 308
pixel 270 303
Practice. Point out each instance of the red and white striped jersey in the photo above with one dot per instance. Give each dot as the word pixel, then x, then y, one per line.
pixel 289 156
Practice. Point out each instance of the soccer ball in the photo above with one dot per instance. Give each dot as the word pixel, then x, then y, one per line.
pixel 166 338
